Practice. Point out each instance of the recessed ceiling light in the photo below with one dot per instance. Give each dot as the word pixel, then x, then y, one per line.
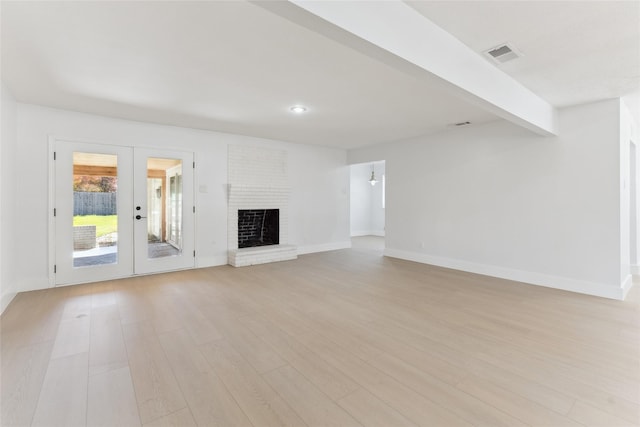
pixel 298 109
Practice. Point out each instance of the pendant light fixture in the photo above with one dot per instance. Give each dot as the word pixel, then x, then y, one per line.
pixel 373 179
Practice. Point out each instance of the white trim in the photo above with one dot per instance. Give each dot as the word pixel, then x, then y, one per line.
pixel 539 279
pixel 635 269
pixel 211 261
pixel 196 191
pixel 324 247
pixel 50 206
pixel 6 300
pixel 360 233
pixel 367 233
pixel 627 283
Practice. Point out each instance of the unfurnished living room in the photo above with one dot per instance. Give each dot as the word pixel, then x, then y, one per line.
pixel 320 213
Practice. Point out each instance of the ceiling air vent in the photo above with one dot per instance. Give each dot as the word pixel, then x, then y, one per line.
pixel 503 53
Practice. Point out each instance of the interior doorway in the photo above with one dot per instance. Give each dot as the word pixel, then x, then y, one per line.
pixel 368 205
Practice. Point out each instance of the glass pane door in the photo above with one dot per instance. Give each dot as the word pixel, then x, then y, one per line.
pixel 121 211
pixel 95 214
pixel 93 237
pixel 164 210
pixel 164 213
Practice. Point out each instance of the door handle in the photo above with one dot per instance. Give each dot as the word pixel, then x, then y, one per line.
pixel 140 217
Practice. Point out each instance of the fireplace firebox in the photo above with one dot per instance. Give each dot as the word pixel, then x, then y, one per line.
pixel 258 227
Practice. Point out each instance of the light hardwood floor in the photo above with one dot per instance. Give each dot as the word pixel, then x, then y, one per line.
pixel 340 338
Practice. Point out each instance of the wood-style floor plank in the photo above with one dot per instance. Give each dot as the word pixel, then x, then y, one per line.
pixel 156 387
pixel 181 418
pixel 23 372
pixel 466 406
pixel 371 411
pixel 63 398
pixel 313 406
pixel 328 379
pixel 594 417
pixel 106 344
pixel 33 319
pixel 73 336
pixel 111 400
pixel 261 403
pixel 260 355
pixel 516 406
pixel 417 408
pixel 207 397
pixel 337 338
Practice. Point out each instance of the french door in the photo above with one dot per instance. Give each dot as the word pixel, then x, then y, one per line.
pixel 163 210
pixel 121 211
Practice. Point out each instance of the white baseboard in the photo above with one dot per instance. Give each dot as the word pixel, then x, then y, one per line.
pixel 539 279
pixel 212 261
pixel 323 247
pixel 6 299
pixel 367 233
pixel 627 283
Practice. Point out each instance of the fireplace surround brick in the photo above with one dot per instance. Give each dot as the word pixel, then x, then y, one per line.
pixel 257 181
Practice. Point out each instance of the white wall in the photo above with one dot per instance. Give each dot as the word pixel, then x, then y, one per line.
pixel 377 211
pixel 360 194
pixel 634 260
pixel 498 200
pixel 319 218
pixel 367 214
pixel 628 214
pixel 8 168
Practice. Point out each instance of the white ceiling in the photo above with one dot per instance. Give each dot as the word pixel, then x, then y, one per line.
pixel 573 51
pixel 236 67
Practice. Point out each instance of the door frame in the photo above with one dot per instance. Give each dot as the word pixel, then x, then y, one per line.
pixel 142 263
pixel 51 204
pixel 123 265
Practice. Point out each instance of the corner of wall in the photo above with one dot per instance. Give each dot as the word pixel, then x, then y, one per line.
pixel 528 277
pixel 536 196
pixel 6 299
pixel 625 287
pixel 9 124
pixel 628 185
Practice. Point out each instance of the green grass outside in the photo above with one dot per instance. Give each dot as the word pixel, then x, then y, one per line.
pixel 105 224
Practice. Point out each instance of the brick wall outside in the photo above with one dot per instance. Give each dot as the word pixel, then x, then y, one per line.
pixel 84 237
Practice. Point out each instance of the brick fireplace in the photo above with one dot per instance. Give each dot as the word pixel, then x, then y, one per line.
pixel 258 187
pixel 258 227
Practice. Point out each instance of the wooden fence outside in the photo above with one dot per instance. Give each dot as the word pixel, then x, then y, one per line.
pixel 93 203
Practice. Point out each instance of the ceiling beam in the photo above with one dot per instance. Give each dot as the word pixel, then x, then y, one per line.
pixel 398 35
